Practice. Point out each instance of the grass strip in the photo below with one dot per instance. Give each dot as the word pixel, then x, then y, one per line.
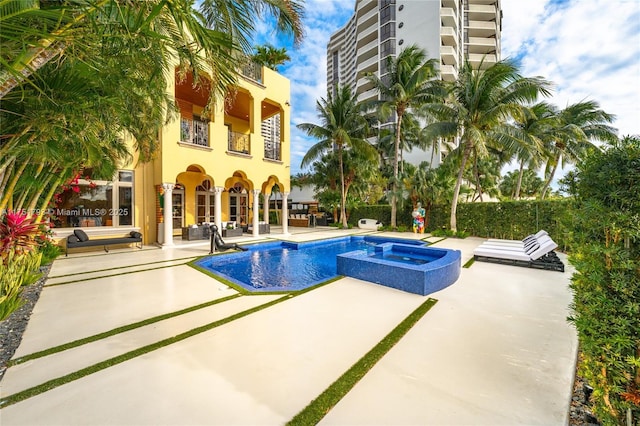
pixel 469 263
pixel 109 333
pixel 122 267
pixel 319 407
pixel 54 383
pixel 113 275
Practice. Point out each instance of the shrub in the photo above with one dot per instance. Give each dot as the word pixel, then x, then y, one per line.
pixel 606 284
pixel 19 259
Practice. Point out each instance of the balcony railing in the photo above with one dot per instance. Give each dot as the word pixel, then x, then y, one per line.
pixel 195 131
pixel 239 142
pixel 251 70
pixel 272 150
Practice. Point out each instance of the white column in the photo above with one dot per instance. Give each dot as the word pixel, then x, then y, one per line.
pixel 256 212
pixel 285 213
pixel 265 208
pixel 217 192
pixel 168 214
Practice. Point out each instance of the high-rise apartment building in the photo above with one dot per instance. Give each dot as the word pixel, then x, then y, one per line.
pixel 450 30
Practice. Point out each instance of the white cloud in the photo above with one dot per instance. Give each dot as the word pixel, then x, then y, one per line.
pixel 590 49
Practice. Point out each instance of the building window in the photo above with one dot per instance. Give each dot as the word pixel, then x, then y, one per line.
pixel 387 14
pixel 90 203
pixel 387 48
pixel 387 31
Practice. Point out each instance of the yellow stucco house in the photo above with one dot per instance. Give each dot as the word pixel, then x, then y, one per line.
pixel 220 168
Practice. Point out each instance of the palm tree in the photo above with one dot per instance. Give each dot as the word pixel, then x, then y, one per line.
pixel 579 125
pixel 408 85
pixel 270 57
pixel 532 130
pixel 481 102
pixel 33 32
pixel 343 126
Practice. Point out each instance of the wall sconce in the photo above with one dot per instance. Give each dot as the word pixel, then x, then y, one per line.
pixel 287 103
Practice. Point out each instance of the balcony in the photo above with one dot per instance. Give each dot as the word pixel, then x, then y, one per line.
pixel 448 36
pixel 481 61
pixel 449 17
pixel 448 73
pixel 481 12
pixel 481 29
pixel 239 143
pixel 448 55
pixel 481 45
pixel 194 132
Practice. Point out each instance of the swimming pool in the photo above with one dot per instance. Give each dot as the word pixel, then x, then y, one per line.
pixel 286 266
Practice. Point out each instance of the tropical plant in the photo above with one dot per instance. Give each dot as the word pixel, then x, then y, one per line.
pixel 408 85
pixel 343 127
pixel 579 126
pixel 524 183
pixel 270 57
pixel 606 284
pixel 481 102
pixel 62 116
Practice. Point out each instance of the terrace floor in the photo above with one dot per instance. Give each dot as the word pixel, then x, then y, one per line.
pixel 495 349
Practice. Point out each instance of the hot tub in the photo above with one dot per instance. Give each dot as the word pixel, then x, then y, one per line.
pixel 415 269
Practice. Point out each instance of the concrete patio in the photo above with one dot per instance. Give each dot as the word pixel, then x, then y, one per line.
pixel 495 349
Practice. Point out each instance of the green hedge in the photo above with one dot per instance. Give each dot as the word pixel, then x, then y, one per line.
pixel 512 220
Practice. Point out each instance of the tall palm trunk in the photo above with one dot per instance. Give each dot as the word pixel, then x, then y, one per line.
pixel 547 184
pixel 519 184
pixel 394 187
pixel 456 190
pixel 343 195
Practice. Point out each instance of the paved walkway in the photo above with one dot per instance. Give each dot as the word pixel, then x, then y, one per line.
pixel 495 349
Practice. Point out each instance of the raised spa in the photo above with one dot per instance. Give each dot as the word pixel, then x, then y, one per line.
pixel 415 269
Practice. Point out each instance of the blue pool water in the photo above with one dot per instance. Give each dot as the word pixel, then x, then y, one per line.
pixel 285 266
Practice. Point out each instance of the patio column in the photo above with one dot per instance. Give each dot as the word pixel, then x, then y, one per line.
pixel 285 213
pixel 256 212
pixel 217 193
pixel 168 214
pixel 265 208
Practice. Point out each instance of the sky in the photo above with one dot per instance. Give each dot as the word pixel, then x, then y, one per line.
pixel 589 50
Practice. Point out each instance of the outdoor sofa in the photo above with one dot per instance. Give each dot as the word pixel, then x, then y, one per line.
pixel 79 239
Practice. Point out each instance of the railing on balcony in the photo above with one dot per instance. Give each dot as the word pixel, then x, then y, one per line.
pixel 239 142
pixel 272 150
pixel 251 70
pixel 194 131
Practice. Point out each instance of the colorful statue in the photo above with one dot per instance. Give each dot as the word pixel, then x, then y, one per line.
pixel 418 219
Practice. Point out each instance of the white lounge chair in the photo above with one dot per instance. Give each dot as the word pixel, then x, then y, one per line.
pixel 540 255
